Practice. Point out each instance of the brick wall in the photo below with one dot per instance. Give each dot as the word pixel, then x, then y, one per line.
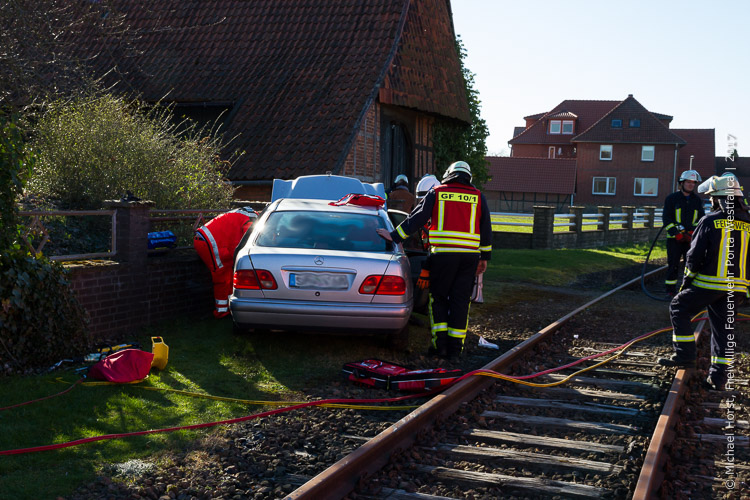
pixel 363 161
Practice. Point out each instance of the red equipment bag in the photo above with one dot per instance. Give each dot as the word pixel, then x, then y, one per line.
pixel 128 365
pixel 363 200
pixel 385 375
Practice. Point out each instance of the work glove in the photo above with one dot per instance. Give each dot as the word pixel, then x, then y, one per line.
pixel 682 237
pixel 424 279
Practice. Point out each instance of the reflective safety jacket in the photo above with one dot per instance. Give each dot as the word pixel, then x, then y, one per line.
pixel 459 220
pixel 718 258
pixel 224 232
pixel 681 210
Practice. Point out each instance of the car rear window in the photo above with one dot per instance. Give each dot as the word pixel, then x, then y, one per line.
pixel 323 230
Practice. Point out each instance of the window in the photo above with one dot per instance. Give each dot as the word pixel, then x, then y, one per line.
pixel 635 123
pixel 616 123
pixel 604 185
pixel 605 152
pixel 646 186
pixel 554 126
pixel 567 126
pixel 647 153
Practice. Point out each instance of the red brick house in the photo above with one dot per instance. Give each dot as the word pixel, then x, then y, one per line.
pixel 305 88
pixel 623 153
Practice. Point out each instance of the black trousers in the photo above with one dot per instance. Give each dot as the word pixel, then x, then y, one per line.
pixel 690 302
pixel 451 283
pixel 676 251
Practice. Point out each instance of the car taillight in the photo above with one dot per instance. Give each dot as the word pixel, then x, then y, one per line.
pixel 383 285
pixel 248 279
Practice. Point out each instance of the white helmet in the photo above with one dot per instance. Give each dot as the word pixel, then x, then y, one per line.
pixel 426 183
pixel 725 185
pixel 690 175
pixel 457 167
pixel 401 179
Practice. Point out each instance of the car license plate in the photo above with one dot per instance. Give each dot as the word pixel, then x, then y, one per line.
pixel 319 280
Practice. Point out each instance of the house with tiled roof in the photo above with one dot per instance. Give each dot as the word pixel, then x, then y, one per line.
pixel 302 87
pixel 623 154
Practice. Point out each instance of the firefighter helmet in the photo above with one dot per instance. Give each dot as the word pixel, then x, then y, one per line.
pixel 426 183
pixel 690 175
pixel 456 168
pixel 726 185
pixel 401 179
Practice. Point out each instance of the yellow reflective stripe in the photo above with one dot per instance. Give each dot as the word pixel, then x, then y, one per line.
pixel 453 249
pixel 670 282
pixel 668 226
pixel 744 241
pixel 488 248
pixel 678 215
pixel 453 241
pixel 695 217
pixel 453 234
pixel 683 338
pixel 719 361
pixel 439 327
pixel 721 287
pixel 689 273
pixel 441 214
pixel 473 220
pixel 721 280
pixel 459 334
pixel 721 264
pixel 401 232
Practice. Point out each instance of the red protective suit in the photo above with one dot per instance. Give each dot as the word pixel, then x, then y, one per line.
pixel 215 243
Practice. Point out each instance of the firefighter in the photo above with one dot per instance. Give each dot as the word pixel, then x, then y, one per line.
pixel 460 235
pixel 682 211
pixel 399 197
pixel 215 243
pixel 716 278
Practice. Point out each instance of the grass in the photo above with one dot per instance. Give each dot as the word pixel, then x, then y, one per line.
pixel 506 223
pixel 205 357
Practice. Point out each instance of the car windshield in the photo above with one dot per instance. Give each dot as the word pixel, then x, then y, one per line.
pixel 324 230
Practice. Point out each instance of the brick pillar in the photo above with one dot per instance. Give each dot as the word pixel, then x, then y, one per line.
pixel 628 224
pixel 131 231
pixel 544 220
pixel 578 219
pixel 650 217
pixel 605 211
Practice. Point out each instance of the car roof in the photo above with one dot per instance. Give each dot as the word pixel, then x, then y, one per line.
pixel 323 187
pixel 292 204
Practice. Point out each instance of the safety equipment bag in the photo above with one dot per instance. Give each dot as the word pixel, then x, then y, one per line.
pixel 363 200
pixel 384 375
pixel 161 239
pixel 122 367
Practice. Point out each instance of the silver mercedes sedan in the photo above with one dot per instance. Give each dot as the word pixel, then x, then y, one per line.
pixel 310 265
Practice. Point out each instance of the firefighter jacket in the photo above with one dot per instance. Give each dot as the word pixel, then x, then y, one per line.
pixel 224 232
pixel 718 258
pixel 459 220
pixel 681 210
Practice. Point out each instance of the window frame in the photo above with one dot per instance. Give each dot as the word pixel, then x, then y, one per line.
pixel 608 179
pixel 602 149
pixel 559 125
pixel 653 152
pixel 572 124
pixel 635 183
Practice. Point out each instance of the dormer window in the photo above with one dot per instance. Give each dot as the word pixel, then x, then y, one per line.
pixel 555 126
pixel 568 126
pixel 616 123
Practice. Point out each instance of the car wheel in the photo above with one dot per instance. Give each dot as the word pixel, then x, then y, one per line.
pixel 398 339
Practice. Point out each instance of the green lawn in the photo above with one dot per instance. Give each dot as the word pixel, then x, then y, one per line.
pixel 206 357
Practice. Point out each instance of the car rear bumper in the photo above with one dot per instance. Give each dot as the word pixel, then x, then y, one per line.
pixel 286 314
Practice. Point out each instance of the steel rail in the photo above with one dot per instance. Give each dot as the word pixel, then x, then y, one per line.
pixel 652 472
pixel 342 477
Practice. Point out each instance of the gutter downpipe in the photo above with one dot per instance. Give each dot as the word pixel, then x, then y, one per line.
pixel 674 169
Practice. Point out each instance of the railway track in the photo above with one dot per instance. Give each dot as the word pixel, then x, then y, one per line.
pixel 583 432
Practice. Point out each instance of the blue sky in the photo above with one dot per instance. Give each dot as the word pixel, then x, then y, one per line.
pixel 688 59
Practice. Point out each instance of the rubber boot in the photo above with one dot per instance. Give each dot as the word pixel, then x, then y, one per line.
pixel 441 343
pixel 455 346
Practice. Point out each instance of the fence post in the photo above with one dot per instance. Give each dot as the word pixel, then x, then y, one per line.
pixel 544 220
pixel 605 211
pixel 132 226
pixel 650 217
pixel 628 224
pixel 577 220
